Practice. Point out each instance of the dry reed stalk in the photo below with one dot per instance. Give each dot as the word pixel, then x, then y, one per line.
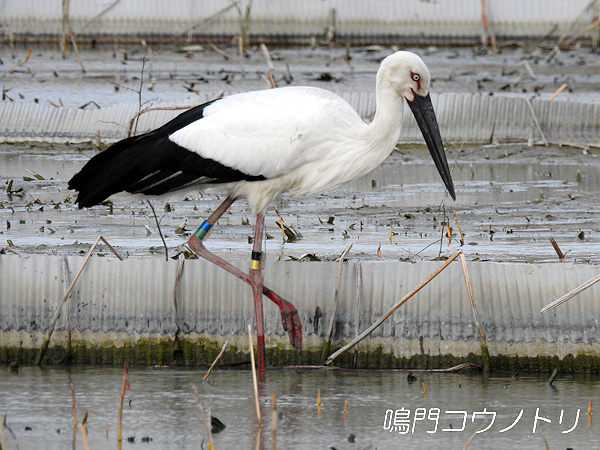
pixel 487 28
pixel 485 354
pixel 470 440
pixel 563 37
pixel 557 249
pixel 281 223
pixel 160 233
pixel 68 32
pixel 46 341
pixel 73 402
pixel 255 383
pixel 216 359
pixel 18 63
pixel 272 83
pixel 217 50
pixel 590 27
pixel 201 22
pixel 155 108
pixel 273 421
pixel 336 298
pixel 393 308
pixel 96 17
pixel 558 91
pixel 346 412
pixel 462 236
pixel 267 56
pixel 536 122
pixel 205 419
pixel 175 305
pixel 571 294
pixel 2 443
pixel 258 439
pixel 86 445
pixel 357 318
pixel 123 388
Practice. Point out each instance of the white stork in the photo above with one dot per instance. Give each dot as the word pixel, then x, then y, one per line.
pixel 261 144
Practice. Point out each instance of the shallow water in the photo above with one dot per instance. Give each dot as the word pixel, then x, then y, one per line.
pixel 510 200
pixel 160 406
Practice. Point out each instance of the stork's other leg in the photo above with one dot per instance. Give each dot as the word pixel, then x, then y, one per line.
pixel 256 281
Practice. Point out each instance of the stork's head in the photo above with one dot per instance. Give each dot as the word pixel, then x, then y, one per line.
pixel 405 74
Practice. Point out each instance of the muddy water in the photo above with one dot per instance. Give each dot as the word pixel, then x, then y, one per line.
pixel 112 73
pixel 510 200
pixel 160 410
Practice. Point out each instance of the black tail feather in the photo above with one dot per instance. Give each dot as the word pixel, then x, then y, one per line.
pixel 150 164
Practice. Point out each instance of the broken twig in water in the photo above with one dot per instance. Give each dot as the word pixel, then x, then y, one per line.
pixel 216 359
pixel 86 445
pixel 3 444
pixel 73 402
pixel 571 294
pixel 205 418
pixel 123 388
pixel 48 336
pixel 274 420
pixel 393 308
pixel 254 376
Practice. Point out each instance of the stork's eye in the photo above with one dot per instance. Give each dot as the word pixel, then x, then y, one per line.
pixel 416 77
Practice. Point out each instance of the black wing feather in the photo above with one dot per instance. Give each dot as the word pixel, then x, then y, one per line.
pixel 150 164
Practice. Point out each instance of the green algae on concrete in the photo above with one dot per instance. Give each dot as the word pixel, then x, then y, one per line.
pixel 200 350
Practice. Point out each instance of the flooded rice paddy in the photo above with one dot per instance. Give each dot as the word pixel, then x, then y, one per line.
pixel 384 409
pixel 511 199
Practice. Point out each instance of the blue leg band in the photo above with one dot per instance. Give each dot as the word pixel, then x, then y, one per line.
pixel 203 229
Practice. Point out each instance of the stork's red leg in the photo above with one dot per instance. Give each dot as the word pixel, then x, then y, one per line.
pixel 289 314
pixel 256 281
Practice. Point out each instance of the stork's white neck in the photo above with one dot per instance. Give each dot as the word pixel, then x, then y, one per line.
pixel 384 130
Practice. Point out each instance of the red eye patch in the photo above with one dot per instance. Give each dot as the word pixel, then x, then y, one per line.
pixel 417 78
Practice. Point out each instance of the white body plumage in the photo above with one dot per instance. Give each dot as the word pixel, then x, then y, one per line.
pixel 300 139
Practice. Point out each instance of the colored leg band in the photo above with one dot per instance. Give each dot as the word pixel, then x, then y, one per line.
pixel 255 262
pixel 203 229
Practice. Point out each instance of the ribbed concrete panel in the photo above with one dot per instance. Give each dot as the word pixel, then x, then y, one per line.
pixel 358 19
pixel 462 117
pixel 135 297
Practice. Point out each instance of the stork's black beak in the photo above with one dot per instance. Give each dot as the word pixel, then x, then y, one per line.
pixel 422 109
